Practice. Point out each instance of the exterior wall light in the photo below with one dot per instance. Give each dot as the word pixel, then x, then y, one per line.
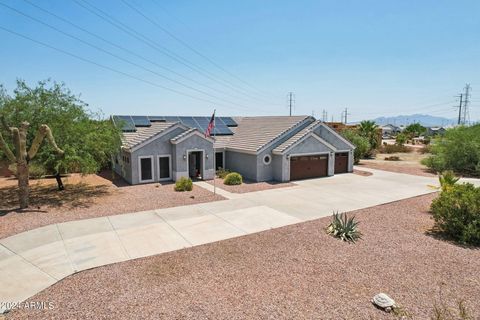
pixel 184 157
pixel 206 155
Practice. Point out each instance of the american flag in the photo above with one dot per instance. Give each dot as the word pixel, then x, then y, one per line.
pixel 211 125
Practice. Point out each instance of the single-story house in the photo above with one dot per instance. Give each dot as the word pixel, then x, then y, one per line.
pixel 280 148
pixel 436 131
pixel 390 130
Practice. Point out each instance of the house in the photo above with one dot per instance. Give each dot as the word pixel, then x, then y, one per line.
pixel 390 130
pixel 280 148
pixel 435 131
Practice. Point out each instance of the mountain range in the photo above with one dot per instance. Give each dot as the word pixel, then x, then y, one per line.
pixel 423 119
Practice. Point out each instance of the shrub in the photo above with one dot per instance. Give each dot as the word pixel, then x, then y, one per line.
pixel 392 158
pixel 457 213
pixel 362 146
pixel 184 184
pixel 233 178
pixel 425 149
pixel 401 139
pixel 394 148
pixel 222 173
pixel 36 171
pixel 344 228
pixel 447 180
pixel 457 150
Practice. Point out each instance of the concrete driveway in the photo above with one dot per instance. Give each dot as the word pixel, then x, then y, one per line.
pixel 34 260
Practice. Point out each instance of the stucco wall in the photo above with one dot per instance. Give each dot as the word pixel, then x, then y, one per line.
pixel 278 169
pixel 194 143
pixel 243 163
pixel 331 138
pixel 159 146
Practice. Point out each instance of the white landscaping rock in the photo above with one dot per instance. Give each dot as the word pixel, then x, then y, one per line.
pixel 384 301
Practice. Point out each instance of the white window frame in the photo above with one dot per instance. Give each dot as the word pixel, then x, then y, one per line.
pixel 169 156
pixel 140 169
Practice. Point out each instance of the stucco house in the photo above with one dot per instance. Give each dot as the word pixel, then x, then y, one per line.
pixel 280 148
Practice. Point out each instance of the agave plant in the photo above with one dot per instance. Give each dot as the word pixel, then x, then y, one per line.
pixel 344 228
pixel 447 180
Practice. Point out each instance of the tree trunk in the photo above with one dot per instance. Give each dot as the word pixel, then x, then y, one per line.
pixel 59 182
pixel 22 176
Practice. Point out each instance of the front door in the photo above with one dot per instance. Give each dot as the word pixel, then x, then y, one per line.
pixel 195 165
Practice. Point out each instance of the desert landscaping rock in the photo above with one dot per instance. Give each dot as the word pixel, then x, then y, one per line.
pixel 383 301
pixel 292 272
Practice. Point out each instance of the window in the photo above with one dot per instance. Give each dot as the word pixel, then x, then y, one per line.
pixel 164 168
pixel 267 159
pixel 146 168
pixel 219 160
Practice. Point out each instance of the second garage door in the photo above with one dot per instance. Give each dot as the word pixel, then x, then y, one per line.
pixel 304 167
pixel 341 162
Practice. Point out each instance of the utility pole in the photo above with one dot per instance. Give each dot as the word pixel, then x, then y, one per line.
pixel 291 101
pixel 465 104
pixel 460 109
pixel 345 115
pixel 324 115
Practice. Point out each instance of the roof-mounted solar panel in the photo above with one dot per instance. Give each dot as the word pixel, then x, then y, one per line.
pixel 125 123
pixel 156 118
pixel 172 119
pixel 141 121
pixel 229 121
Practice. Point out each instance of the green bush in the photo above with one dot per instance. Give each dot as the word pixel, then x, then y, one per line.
pixel 394 148
pixel 362 144
pixel 457 213
pixel 232 179
pixel 457 150
pixel 184 184
pixel 344 228
pixel 222 173
pixel 401 139
pixel 447 180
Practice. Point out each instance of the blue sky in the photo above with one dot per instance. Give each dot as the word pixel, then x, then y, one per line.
pixel 378 58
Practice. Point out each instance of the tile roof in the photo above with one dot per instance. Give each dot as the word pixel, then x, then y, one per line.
pixel 253 133
pixel 131 139
pixel 183 134
pixel 302 133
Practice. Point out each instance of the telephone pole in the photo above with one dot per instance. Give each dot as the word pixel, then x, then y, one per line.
pixel 324 115
pixel 460 109
pixel 465 104
pixel 345 115
pixel 291 101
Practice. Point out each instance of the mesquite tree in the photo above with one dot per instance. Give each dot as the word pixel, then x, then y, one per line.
pixel 21 157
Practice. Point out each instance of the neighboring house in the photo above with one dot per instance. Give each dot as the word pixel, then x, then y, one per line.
pixel 280 148
pixel 435 131
pixel 390 130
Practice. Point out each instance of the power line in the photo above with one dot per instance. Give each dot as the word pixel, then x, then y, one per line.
pixel 104 66
pixel 128 50
pixel 172 35
pixel 118 57
pixel 155 45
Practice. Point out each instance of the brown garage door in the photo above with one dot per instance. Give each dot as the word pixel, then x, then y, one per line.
pixel 341 162
pixel 305 167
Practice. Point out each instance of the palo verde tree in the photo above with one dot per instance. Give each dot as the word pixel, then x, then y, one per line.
pixel 21 157
pixel 88 141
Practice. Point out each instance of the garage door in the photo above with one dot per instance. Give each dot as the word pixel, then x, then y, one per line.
pixel 341 163
pixel 305 167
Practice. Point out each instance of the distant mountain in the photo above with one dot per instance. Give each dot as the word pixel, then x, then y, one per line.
pixel 423 119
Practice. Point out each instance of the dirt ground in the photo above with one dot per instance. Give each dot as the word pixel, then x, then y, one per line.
pixel 86 197
pixel 409 163
pixel 294 272
pixel 251 186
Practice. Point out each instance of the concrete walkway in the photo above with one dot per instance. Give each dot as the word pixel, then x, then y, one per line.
pixel 32 261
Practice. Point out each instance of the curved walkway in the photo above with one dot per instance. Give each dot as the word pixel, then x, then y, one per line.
pixel 32 261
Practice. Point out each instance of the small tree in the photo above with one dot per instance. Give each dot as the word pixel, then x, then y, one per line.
pixel 369 130
pixel 21 157
pixel 362 145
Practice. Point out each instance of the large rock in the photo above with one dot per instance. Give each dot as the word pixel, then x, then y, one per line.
pixel 384 302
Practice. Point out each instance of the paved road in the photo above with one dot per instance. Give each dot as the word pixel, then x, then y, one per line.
pixel 32 261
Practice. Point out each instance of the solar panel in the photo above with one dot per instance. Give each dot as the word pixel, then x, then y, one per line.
pixel 125 122
pixel 172 119
pixel 156 118
pixel 229 121
pixel 141 121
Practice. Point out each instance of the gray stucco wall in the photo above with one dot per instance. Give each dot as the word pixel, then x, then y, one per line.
pixel 159 146
pixel 331 138
pixel 277 167
pixel 243 163
pixel 194 143
pixel 121 168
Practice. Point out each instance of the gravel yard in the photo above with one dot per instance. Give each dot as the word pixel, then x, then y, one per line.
pixel 251 186
pixel 409 164
pixel 292 272
pixel 87 197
